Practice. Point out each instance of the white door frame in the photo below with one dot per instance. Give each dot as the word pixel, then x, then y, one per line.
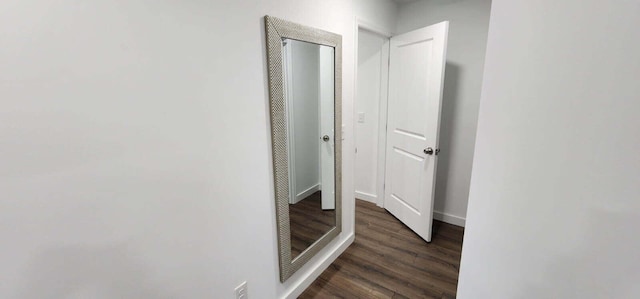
pixel 288 70
pixel 382 111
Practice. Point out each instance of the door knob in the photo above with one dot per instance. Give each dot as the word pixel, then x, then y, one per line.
pixel 428 151
pixel 325 138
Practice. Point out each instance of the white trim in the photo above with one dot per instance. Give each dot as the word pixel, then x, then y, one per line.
pixel 448 218
pixel 288 69
pixel 319 139
pixel 366 196
pixel 318 268
pixel 304 194
pixel 382 120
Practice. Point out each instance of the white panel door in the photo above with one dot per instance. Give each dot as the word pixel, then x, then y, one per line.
pixel 327 145
pixel 416 74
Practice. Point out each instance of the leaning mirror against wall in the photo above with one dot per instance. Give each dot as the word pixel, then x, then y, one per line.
pixel 304 90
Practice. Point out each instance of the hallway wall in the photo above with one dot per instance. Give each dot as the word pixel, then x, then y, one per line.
pixel 135 148
pixel 304 104
pixel 554 206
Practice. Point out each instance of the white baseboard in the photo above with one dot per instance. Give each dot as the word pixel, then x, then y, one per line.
pixel 304 194
pixel 367 196
pixel 448 218
pixel 319 267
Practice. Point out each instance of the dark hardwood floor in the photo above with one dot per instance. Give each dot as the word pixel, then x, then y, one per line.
pixel 308 222
pixel 388 260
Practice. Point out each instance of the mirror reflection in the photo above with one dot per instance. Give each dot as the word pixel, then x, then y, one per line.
pixel 309 89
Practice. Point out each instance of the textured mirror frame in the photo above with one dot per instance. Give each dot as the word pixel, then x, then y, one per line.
pixel 277 30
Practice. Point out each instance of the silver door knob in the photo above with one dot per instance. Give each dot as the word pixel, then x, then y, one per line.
pixel 325 138
pixel 428 151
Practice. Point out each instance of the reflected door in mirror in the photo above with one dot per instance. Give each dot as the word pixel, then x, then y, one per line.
pixel 309 89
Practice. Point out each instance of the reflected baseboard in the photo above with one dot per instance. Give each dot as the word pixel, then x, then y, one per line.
pixel 306 193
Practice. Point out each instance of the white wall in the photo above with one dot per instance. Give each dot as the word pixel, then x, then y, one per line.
pixel 305 65
pixel 554 206
pixel 370 62
pixel 468 26
pixel 135 147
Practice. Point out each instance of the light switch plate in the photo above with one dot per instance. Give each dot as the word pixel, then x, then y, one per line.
pixel 361 117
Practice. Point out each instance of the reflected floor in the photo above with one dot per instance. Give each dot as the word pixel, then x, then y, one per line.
pixel 308 222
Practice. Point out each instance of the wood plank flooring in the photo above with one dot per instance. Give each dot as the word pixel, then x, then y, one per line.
pixel 308 222
pixel 388 260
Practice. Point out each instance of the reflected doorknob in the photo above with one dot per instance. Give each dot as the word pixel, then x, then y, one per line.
pixel 428 151
pixel 325 138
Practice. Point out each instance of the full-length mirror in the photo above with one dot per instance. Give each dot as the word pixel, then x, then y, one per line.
pixel 304 90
